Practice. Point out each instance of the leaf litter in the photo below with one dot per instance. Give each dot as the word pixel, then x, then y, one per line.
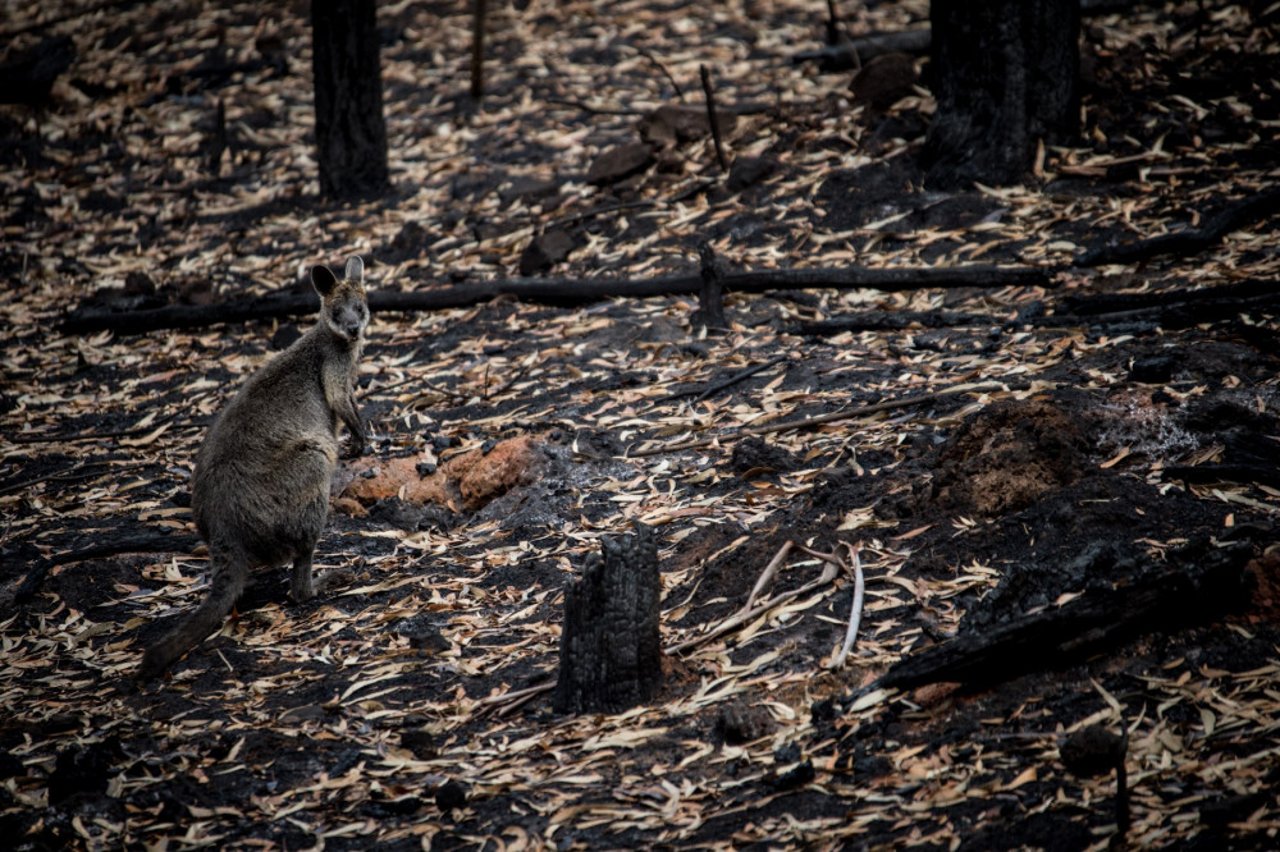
pixel 406 707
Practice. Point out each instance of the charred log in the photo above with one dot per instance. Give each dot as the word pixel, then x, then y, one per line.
pixel 1167 600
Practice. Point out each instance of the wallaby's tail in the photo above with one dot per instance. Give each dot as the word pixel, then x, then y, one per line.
pixel 227 578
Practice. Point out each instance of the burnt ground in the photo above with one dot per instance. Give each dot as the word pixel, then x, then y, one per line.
pixel 1067 459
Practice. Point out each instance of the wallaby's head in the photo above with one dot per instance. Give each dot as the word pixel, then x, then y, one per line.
pixel 343 307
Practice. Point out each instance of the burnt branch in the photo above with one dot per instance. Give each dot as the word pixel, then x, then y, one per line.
pixel 1189 241
pixel 92 317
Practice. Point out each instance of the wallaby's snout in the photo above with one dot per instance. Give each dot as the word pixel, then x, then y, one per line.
pixel 350 320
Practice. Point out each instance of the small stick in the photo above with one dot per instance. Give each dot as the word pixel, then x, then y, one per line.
pixel 855 612
pixel 729 382
pixel 672 80
pixel 711 117
pixel 737 377
pixel 477 50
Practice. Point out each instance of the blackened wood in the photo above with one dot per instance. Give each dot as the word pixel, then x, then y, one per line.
pixel 1189 241
pixel 351 135
pixel 710 313
pixel 1168 309
pixel 610 646
pixel 109 544
pixel 893 321
pixel 1005 75
pixel 1095 622
pixel 89 318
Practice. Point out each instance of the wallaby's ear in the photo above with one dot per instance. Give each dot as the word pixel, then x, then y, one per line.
pixel 323 279
pixel 355 269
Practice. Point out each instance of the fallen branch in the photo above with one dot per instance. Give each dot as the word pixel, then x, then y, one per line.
pixel 149 542
pixel 893 321
pixel 1098 621
pixel 1189 241
pixel 820 419
pixel 1206 473
pixel 90 318
pixel 1168 309
pixel 848 54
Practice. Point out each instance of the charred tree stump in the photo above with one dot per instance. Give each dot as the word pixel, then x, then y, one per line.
pixel 351 134
pixel 610 649
pixel 1005 74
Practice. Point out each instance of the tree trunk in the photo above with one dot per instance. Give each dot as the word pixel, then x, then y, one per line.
pixel 351 136
pixel 1005 75
pixel 610 648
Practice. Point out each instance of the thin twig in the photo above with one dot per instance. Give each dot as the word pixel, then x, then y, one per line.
pixel 737 377
pixel 672 80
pixel 711 117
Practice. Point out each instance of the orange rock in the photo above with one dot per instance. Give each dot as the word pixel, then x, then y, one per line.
pixel 506 466
pixel 469 481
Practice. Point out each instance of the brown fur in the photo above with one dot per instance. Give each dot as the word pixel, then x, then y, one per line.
pixel 260 493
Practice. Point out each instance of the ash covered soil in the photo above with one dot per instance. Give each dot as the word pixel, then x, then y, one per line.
pixel 1050 459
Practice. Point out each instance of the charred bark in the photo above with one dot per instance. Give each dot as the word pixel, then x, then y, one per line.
pixel 1097 622
pixel 610 648
pixel 351 134
pixel 1005 75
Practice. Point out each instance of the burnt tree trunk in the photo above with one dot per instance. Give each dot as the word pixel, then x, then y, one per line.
pixel 1005 75
pixel 351 135
pixel 610 648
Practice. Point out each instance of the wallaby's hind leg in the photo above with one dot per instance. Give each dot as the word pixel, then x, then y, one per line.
pixel 302 586
pixel 306 584
pixel 227 574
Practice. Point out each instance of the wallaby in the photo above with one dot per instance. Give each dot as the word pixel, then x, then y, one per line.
pixel 260 493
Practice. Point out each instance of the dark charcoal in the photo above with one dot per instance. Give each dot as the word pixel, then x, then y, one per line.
pixel 451 795
pixel 1153 369
pixel 419 741
pixel 748 171
pixel 610 647
pixel 740 723
pixel 755 453
pixel 545 251
pixel 423 634
pixel 1092 751
pixel 83 769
